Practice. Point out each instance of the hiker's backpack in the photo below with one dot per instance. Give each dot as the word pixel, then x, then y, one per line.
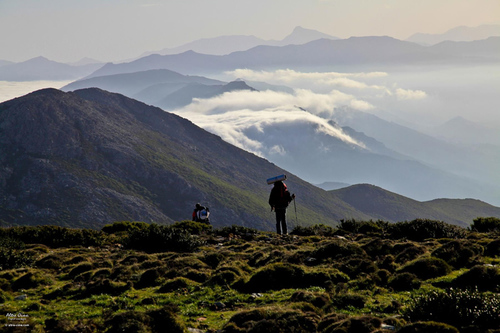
pixel 203 214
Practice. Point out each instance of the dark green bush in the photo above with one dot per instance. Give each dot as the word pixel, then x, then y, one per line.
pixel 336 249
pixel 55 236
pixel 404 282
pixel 31 280
pixel 357 266
pixel 149 278
pixel 349 300
pixel 493 248
pixel 314 230
pixel 124 226
pixel 421 229
pixel 81 268
pixel 363 227
pixel 459 308
pixel 407 251
pixel 485 224
pixel 278 321
pixel 378 247
pixel 161 320
pixel 459 253
pixel 482 277
pixel 175 284
pixel 427 268
pixel 158 238
pixel 318 300
pixel 364 324
pixel 236 230
pixel 213 259
pixel 428 327
pixel 192 227
pixel 13 255
pixel 276 277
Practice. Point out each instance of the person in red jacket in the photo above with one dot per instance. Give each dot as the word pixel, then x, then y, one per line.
pixel 279 199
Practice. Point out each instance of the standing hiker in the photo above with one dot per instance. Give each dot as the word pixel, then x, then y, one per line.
pixel 201 214
pixel 279 200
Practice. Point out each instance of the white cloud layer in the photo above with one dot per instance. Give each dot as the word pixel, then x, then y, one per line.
pixel 250 119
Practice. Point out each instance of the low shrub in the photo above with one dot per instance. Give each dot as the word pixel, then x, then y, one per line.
pixel 271 320
pixel 55 236
pixel 236 230
pixel 149 278
pixel 363 324
pixel 337 248
pixel 482 277
pixel 275 277
pixel 349 300
pixel 407 252
pixel 493 248
pixel 428 327
pixel 213 259
pixel 81 268
pixel 192 227
pixel 460 308
pixel 357 266
pixel 31 280
pixel 485 224
pixel 363 227
pixel 319 300
pixel 50 262
pixel 421 229
pixel 378 247
pixel 427 268
pixel 124 226
pixel 404 282
pixel 13 255
pixel 314 230
pixel 158 238
pixel 459 253
pixel 175 284
pixel 102 286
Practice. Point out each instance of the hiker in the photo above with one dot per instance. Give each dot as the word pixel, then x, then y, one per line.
pixel 201 214
pixel 279 200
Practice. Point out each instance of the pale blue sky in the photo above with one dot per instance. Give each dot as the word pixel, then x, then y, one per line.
pixel 113 30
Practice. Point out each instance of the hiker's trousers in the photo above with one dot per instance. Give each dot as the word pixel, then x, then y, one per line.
pixel 281 227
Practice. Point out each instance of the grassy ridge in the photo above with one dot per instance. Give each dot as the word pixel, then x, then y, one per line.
pixel 359 277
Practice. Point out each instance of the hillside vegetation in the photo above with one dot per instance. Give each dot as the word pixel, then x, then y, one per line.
pixel 364 276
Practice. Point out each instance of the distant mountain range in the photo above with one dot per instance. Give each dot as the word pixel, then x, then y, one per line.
pixel 228 44
pixel 41 68
pixel 162 88
pixel 458 34
pixel 318 55
pixel 90 157
pixel 303 49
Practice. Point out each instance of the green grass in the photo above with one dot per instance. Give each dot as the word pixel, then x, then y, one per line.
pixel 205 304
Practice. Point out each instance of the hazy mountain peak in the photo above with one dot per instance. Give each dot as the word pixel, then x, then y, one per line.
pixel 458 34
pixel 302 35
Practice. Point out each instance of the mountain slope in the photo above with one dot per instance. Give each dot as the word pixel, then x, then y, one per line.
pixel 385 205
pixel 133 83
pixel 90 157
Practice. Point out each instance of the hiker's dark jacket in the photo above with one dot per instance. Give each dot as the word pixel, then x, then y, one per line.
pixel 280 197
